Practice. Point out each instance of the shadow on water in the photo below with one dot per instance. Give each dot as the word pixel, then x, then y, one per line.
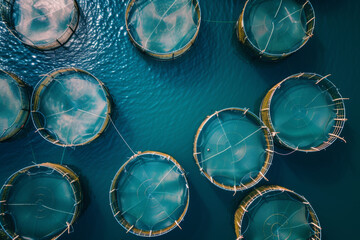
pixel 275 71
pixel 232 201
pixel 243 53
pixel 323 168
pixel 195 214
pixel 258 104
pixel 89 211
pixel 85 188
pixel 331 5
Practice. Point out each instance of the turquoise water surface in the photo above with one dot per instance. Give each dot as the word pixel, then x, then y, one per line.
pixel 160 105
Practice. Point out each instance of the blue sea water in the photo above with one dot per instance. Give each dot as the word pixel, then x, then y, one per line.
pixel 159 106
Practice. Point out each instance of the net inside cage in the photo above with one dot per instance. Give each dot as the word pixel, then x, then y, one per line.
pixel 149 195
pixel 233 149
pixel 306 111
pixel 276 213
pixel 14 105
pixel 43 24
pixel 163 28
pixel 277 27
pixel 40 202
pixel 70 107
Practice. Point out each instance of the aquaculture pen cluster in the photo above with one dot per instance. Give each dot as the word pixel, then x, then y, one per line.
pixel 233 147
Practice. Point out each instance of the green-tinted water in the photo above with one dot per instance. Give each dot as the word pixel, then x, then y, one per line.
pixel 160 105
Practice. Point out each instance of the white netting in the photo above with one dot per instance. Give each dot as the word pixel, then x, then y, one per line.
pixel 163 26
pixel 42 21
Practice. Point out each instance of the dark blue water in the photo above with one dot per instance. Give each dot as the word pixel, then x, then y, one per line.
pixel 159 106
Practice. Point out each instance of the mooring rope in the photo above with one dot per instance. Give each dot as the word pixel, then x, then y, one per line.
pixel 62 157
pixel 117 130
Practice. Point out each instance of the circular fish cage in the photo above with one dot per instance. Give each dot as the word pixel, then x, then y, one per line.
pixel 233 149
pixel 161 28
pixel 149 195
pixel 14 105
pixel 41 24
pixel 275 29
pixel 40 202
pixel 70 107
pixel 305 112
pixel 276 213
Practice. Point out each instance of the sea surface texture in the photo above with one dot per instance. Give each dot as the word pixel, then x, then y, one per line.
pixel 160 105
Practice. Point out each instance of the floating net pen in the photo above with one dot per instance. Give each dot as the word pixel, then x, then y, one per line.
pixel 233 149
pixel 276 213
pixel 41 24
pixel 274 29
pixel 149 195
pixel 40 202
pixel 305 112
pixel 14 105
pixel 164 29
pixel 70 107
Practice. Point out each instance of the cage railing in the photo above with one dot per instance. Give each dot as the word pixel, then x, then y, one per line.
pixel 7 11
pixel 263 53
pixel 339 121
pixel 158 55
pixel 269 151
pixel 254 195
pixel 35 104
pixel 65 172
pixel 116 210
